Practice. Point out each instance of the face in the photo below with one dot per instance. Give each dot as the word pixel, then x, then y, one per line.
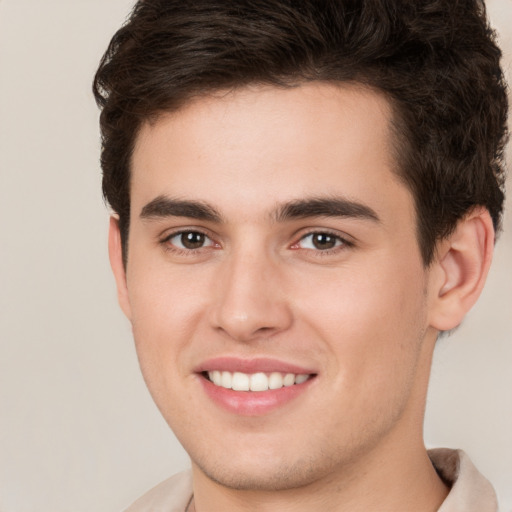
pixel 275 286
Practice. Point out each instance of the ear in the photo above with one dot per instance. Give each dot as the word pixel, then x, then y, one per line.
pixel 115 253
pixel 460 269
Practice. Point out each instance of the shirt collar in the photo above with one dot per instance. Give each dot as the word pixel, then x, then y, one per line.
pixel 470 490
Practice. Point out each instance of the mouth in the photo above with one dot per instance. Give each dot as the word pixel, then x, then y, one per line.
pixel 255 382
pixel 254 387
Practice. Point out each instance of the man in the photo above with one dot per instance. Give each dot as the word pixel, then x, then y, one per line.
pixel 305 196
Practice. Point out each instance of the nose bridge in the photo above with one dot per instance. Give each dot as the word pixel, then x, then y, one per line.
pixel 250 301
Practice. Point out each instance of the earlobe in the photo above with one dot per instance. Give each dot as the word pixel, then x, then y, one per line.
pixel 115 253
pixel 460 270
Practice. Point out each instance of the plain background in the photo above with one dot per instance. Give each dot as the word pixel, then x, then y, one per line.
pixel 78 430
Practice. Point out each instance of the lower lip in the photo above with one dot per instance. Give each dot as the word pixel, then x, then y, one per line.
pixel 253 403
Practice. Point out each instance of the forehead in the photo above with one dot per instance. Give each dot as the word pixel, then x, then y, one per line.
pixel 248 149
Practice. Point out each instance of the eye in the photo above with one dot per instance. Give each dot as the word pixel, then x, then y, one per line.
pixel 320 241
pixel 189 240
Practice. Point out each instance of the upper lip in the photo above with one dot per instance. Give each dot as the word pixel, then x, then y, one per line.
pixel 253 365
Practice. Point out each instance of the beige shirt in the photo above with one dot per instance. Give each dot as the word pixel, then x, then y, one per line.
pixel 470 491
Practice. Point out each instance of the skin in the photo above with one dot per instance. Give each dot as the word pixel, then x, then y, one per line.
pixel 364 316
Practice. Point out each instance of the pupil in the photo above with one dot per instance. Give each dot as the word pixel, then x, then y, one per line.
pixel 324 241
pixel 192 240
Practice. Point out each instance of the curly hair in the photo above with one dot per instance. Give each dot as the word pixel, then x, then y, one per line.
pixel 436 61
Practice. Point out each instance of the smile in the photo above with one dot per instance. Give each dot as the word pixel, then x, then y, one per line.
pixel 256 386
pixel 260 381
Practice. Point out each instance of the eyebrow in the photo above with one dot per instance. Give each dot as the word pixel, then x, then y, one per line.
pixel 163 207
pixel 325 207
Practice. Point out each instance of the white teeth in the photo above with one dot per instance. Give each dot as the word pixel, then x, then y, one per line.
pixel 275 381
pixel 260 381
pixel 289 380
pixel 240 382
pixel 216 378
pixel 227 380
pixel 299 379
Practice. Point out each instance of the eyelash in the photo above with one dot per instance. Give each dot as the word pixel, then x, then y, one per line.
pixel 343 243
pixel 165 242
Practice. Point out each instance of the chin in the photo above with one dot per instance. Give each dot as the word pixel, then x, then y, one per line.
pixel 266 475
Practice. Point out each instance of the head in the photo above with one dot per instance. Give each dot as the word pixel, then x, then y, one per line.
pixel 436 62
pixel 303 188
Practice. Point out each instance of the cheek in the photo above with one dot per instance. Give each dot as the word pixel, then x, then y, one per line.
pixel 166 310
pixel 372 321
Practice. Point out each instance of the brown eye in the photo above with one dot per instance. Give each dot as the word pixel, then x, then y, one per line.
pixel 321 241
pixel 192 240
pixel 189 240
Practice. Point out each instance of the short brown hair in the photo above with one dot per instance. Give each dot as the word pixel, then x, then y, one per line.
pixel 435 60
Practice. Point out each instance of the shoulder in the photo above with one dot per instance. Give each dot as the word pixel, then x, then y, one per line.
pixel 171 495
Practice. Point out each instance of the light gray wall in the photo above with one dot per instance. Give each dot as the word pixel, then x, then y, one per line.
pixel 78 430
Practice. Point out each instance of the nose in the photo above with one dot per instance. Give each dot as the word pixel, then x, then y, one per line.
pixel 250 300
